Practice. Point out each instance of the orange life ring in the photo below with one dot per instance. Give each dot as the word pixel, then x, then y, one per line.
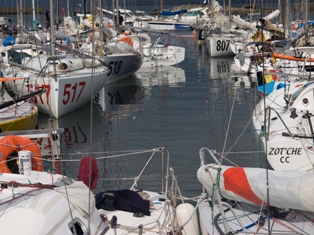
pixel 12 143
pixel 126 40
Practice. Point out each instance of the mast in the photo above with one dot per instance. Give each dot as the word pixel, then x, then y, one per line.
pixel 52 39
pixel 212 11
pixel 84 8
pixel 68 8
pixel 21 20
pixel 33 9
pixel 306 14
pixel 117 16
pixel 35 22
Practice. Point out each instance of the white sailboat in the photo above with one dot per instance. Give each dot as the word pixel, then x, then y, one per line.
pixel 168 21
pixel 69 82
pixel 245 200
pixel 288 126
pixel 155 54
pixel 34 197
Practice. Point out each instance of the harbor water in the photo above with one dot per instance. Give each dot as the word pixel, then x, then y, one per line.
pixel 201 102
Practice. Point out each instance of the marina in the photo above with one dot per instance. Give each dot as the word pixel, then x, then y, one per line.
pixel 195 131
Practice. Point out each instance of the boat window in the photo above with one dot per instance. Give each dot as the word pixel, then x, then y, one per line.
pixel 77 227
pixel 191 13
pixel 297 93
pixel 131 14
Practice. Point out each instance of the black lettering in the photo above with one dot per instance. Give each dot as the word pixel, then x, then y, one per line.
pixel 299 151
pixel 271 151
pixel 294 151
pixel 281 159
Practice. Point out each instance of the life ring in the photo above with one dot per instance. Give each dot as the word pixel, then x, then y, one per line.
pixel 12 143
pixel 127 40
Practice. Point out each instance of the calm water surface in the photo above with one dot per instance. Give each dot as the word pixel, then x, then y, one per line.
pixel 183 108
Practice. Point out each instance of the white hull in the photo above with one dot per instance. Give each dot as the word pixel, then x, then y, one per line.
pixel 159 25
pixel 163 56
pixel 49 203
pixel 245 220
pixel 218 46
pixel 36 207
pixel 237 200
pixel 162 25
pixel 154 54
pixel 287 151
pixel 68 92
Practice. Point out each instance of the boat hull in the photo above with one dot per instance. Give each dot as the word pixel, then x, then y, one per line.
pixel 122 66
pixel 218 46
pixel 16 119
pixel 65 93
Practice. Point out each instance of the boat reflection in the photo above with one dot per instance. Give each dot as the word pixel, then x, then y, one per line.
pixel 244 81
pixel 120 99
pixel 168 75
pixel 223 67
pixel 92 122
pixel 76 126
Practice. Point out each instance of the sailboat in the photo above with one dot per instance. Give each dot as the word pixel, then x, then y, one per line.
pixel 70 81
pixel 168 21
pixel 155 54
pixel 17 113
pixel 283 126
pixel 68 87
pixel 244 200
pixel 37 195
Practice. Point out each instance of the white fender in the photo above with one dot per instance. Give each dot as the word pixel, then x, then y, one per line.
pixel 187 217
pixel 87 23
pixel 25 164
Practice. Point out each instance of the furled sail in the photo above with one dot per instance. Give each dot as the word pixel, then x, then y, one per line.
pixel 287 189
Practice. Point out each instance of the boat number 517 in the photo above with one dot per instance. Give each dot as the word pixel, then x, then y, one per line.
pixel 72 92
pixel 222 45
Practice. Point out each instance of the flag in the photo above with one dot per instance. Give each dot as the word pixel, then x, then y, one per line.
pixel 266 84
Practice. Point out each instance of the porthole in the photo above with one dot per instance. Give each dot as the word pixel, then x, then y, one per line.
pixel 77 227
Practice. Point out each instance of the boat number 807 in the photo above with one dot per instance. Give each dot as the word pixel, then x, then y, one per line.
pixel 222 45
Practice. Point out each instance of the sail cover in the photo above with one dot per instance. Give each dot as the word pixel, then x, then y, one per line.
pixel 288 189
pixel 172 13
